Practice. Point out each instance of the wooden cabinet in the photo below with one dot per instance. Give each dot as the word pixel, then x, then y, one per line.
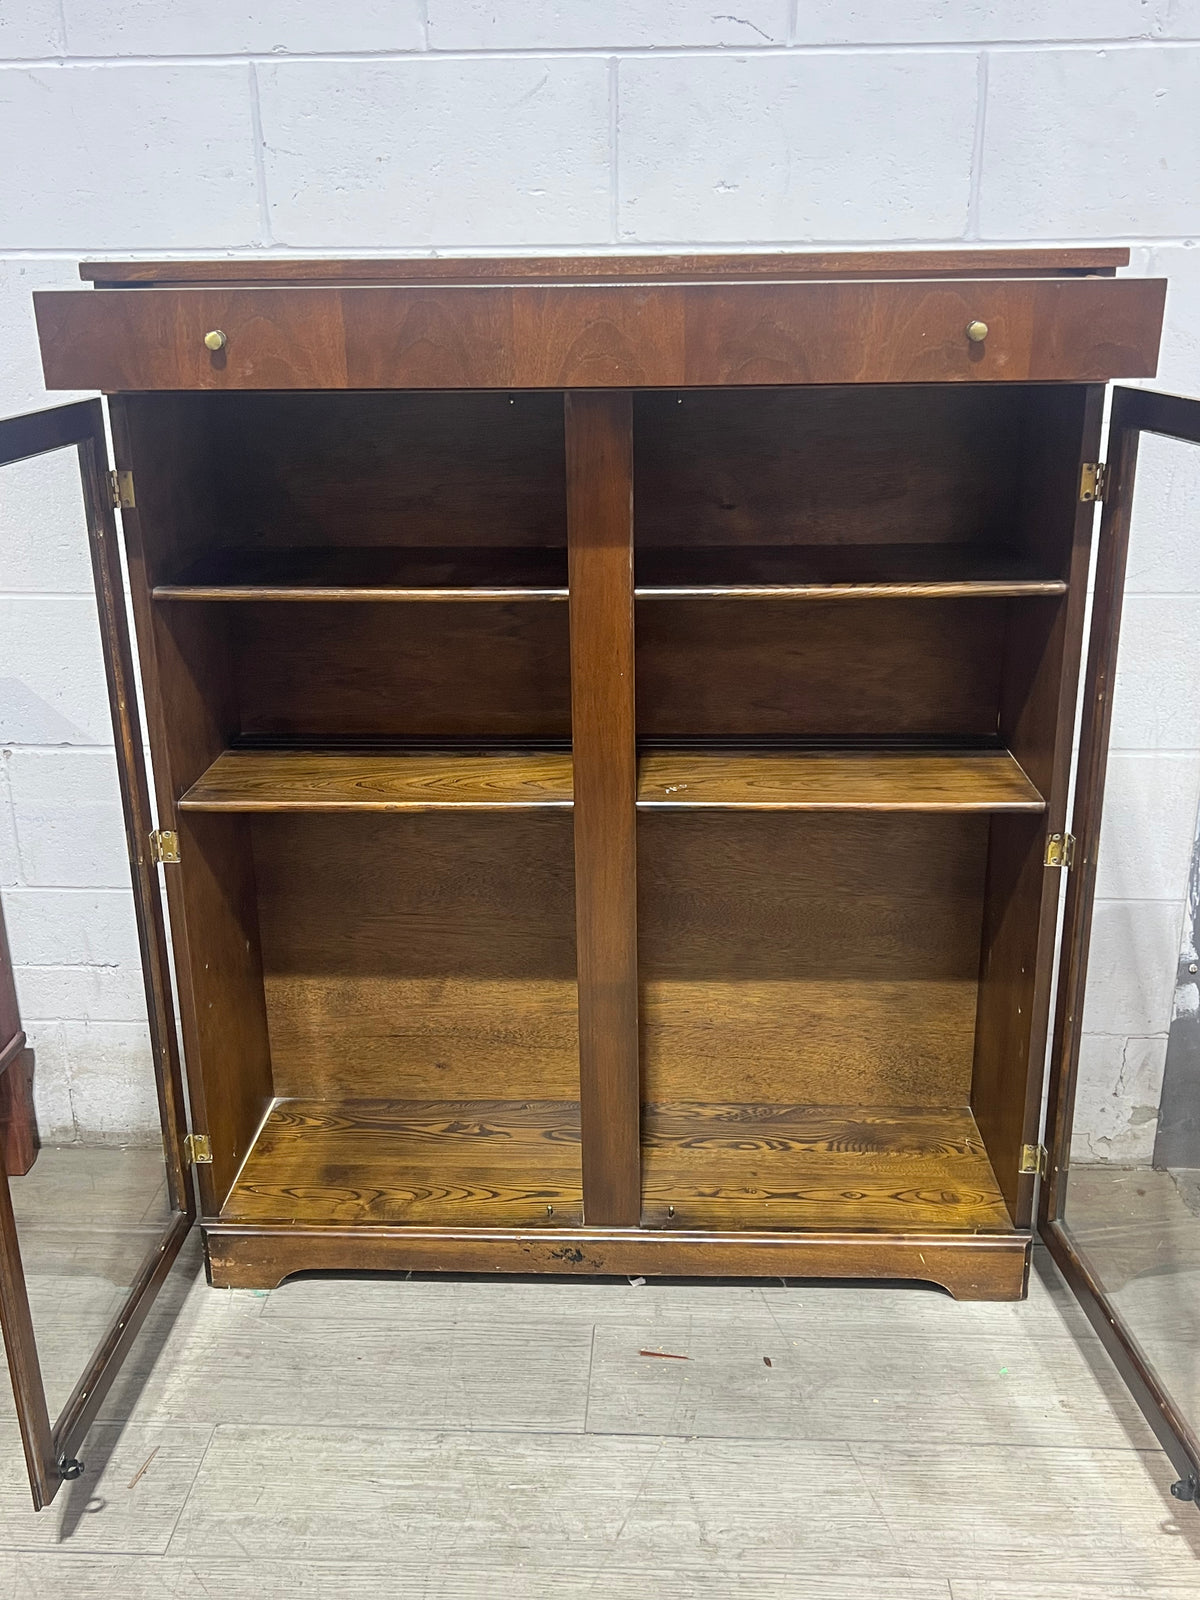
pixel 18 1126
pixel 612 729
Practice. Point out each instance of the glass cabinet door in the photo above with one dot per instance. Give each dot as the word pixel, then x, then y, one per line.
pixel 95 1198
pixel 1120 1209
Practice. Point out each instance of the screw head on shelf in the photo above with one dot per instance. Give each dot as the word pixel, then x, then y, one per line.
pixel 215 340
pixel 977 332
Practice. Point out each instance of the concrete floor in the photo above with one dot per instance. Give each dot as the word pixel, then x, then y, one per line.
pixel 461 1439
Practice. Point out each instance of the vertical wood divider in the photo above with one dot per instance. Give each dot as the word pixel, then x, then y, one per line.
pixel 599 449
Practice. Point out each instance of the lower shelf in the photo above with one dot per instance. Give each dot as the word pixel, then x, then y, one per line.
pixel 516 1164
pixel 465 1163
pixel 892 1170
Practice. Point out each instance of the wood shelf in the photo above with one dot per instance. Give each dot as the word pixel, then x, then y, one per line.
pixel 689 778
pixel 794 1166
pixel 837 572
pixel 482 1163
pixel 728 1167
pixel 382 780
pixel 752 572
pixel 443 574
pixel 834 780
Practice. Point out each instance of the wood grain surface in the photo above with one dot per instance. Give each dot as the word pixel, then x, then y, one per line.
pixel 602 336
pixel 895 668
pixel 1037 720
pixel 494 1163
pixel 599 431
pixel 721 1166
pixel 491 269
pixel 399 470
pixel 806 957
pixel 476 670
pixel 418 956
pixel 726 1166
pixel 339 779
pixel 844 572
pixel 842 464
pixel 835 780
pixel 192 713
pixel 679 572
pixel 18 1120
pixel 972 1266
pixel 366 780
pixel 373 573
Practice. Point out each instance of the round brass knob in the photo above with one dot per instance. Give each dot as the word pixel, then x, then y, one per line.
pixel 977 332
pixel 216 339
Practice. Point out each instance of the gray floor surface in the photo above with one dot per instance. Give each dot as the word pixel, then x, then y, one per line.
pixel 447 1439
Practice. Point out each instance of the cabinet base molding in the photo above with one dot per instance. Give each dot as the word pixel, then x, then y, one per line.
pixel 992 1266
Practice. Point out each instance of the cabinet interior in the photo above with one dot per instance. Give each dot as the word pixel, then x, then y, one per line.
pixel 850 614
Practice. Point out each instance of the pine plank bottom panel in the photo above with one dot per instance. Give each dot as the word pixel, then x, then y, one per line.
pixel 729 1190
pixel 893 1168
pixel 473 1163
pixel 991 1266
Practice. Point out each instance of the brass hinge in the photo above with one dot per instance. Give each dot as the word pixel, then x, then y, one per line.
pixel 1034 1158
pixel 120 488
pixel 164 845
pixel 1060 850
pixel 198 1149
pixel 1092 480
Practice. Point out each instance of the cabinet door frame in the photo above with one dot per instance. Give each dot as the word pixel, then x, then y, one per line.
pixel 51 1445
pixel 1134 412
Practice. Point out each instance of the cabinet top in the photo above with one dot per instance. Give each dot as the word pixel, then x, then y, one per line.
pixel 784 265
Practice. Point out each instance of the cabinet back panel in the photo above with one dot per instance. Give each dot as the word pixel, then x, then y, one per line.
pixel 825 960
pixel 391 469
pixel 820 668
pixel 419 671
pixel 419 957
pixel 853 465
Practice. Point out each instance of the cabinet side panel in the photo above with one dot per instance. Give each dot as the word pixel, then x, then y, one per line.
pixel 184 662
pixel 1037 716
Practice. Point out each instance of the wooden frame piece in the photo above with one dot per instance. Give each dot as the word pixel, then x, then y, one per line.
pixel 787 265
pixel 600 556
pixel 601 336
pixel 1037 722
pixel 980 1266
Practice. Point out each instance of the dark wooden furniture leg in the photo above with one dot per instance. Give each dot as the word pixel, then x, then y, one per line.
pixel 18 1127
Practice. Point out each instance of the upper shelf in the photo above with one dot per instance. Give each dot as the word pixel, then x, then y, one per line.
pixel 445 573
pixel 761 572
pixel 830 572
pixel 881 779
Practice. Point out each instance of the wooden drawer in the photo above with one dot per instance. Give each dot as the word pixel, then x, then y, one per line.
pixel 602 336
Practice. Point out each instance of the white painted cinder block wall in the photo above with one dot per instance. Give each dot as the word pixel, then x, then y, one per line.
pixel 213 127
